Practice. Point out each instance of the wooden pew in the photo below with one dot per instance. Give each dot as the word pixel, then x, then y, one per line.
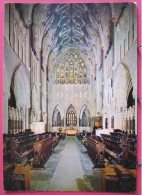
pixel 118 179
pixel 25 147
pixel 109 180
pixel 7 175
pixel 130 159
pixel 42 150
pixel 55 140
pixel 127 178
pixel 119 149
pixel 21 178
pixel 25 141
pixel 63 135
pixel 96 150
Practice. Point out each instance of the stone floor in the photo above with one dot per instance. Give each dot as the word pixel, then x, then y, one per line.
pixel 68 169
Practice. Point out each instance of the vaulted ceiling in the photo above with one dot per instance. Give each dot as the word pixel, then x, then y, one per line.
pixel 59 27
pixel 70 23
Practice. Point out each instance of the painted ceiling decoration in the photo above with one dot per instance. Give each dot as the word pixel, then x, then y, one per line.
pixel 72 24
pixel 87 27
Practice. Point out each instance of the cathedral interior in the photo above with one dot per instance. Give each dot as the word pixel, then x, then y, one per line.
pixel 70 97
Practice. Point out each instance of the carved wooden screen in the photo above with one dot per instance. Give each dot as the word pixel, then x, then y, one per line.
pixel 15 120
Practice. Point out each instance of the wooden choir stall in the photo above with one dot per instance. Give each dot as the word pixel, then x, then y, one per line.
pixel 115 155
pixel 25 148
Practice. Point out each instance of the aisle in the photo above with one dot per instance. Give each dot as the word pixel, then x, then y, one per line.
pixel 68 169
pixel 68 175
pixel 40 179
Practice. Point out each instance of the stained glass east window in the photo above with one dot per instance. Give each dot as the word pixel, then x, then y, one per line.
pixel 72 70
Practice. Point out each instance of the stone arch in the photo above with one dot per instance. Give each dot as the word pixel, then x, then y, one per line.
pixel 57 117
pixel 84 118
pixel 19 99
pixel 20 85
pixel 35 104
pixel 5 83
pixel 122 85
pixel 59 107
pixel 71 108
pixel 130 99
pixel 71 117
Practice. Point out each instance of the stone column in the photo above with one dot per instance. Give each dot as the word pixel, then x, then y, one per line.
pixel 28 64
pixel 5 114
pixel 65 121
pixel 20 47
pixel 99 92
pixel 28 47
pixel 11 26
pixel 16 39
pixel 41 116
pixel 78 123
pixel 6 22
pixel 24 51
pixel 26 118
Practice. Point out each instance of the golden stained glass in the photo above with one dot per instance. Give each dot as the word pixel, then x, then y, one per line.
pixel 71 70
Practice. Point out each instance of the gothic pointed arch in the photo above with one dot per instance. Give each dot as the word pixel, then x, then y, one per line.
pixel 71 117
pixel 20 86
pixel 84 119
pixel 130 99
pixel 56 117
pixel 123 85
pixel 19 99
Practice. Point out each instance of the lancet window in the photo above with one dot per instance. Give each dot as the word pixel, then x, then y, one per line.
pixel 71 118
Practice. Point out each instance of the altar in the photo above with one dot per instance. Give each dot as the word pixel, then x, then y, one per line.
pixel 71 131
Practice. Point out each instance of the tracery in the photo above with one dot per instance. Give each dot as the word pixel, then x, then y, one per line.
pixel 71 70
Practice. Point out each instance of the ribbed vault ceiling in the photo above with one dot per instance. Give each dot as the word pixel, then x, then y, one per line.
pixel 59 27
pixel 71 24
